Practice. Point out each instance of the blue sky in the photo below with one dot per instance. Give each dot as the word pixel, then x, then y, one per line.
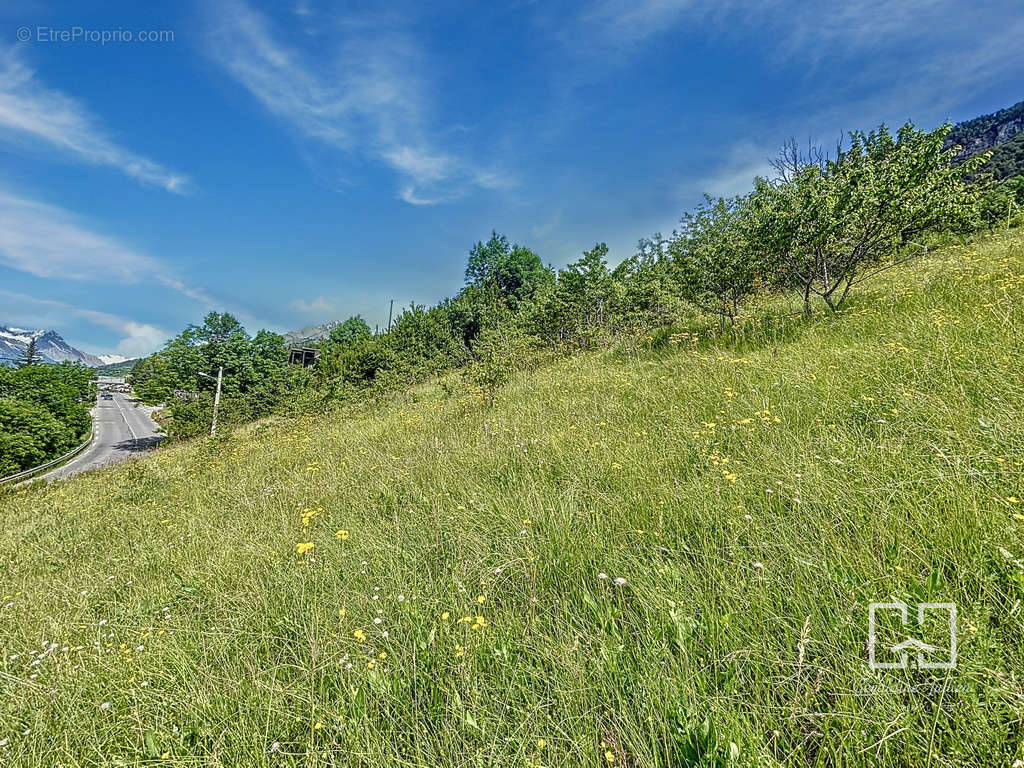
pixel 303 161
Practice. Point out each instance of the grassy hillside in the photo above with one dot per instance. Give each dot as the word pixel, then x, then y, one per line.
pixel 424 583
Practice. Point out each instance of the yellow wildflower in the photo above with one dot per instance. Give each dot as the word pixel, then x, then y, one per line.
pixel 304 546
pixel 341 535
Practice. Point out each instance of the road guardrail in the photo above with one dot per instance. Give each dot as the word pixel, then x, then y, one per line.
pixel 52 462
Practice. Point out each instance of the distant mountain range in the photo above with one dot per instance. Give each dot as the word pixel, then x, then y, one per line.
pixel 309 334
pixel 118 367
pixel 50 346
pixel 1001 132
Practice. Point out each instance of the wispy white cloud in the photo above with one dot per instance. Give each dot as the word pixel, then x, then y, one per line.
pixel 919 49
pixel 49 242
pixel 31 113
pixel 139 339
pixel 851 64
pixel 547 227
pixel 734 175
pixel 629 21
pixel 368 95
pixel 319 304
pixel 836 25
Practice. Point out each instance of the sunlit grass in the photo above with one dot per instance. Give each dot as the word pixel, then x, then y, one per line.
pixel 649 559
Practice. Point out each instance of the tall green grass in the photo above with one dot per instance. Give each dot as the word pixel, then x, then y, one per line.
pixel 634 559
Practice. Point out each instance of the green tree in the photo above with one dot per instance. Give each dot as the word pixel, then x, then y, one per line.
pixel 29 435
pixel 585 295
pixel 44 412
pixel 828 225
pixel 256 379
pixel 495 356
pixel 511 273
pixel 716 265
pixel 649 294
pixel 30 356
pixel 153 379
pixel 1001 204
pixel 353 329
pixel 423 342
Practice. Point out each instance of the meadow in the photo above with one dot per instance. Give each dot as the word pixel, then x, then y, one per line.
pixel 653 556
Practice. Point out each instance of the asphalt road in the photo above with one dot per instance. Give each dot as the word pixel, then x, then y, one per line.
pixel 121 429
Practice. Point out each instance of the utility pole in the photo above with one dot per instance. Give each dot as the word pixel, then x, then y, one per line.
pixel 216 398
pixel 390 310
pixel 216 402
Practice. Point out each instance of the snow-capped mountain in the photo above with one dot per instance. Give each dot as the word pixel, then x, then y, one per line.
pixel 49 346
pixel 111 359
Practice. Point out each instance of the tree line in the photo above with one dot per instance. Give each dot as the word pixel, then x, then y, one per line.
pixel 822 226
pixel 44 411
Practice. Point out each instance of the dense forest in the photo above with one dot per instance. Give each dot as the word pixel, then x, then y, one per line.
pixel 816 231
pixel 44 412
pixel 1007 159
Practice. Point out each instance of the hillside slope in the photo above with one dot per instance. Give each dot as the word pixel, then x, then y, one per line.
pixel 642 560
pixel 1001 132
